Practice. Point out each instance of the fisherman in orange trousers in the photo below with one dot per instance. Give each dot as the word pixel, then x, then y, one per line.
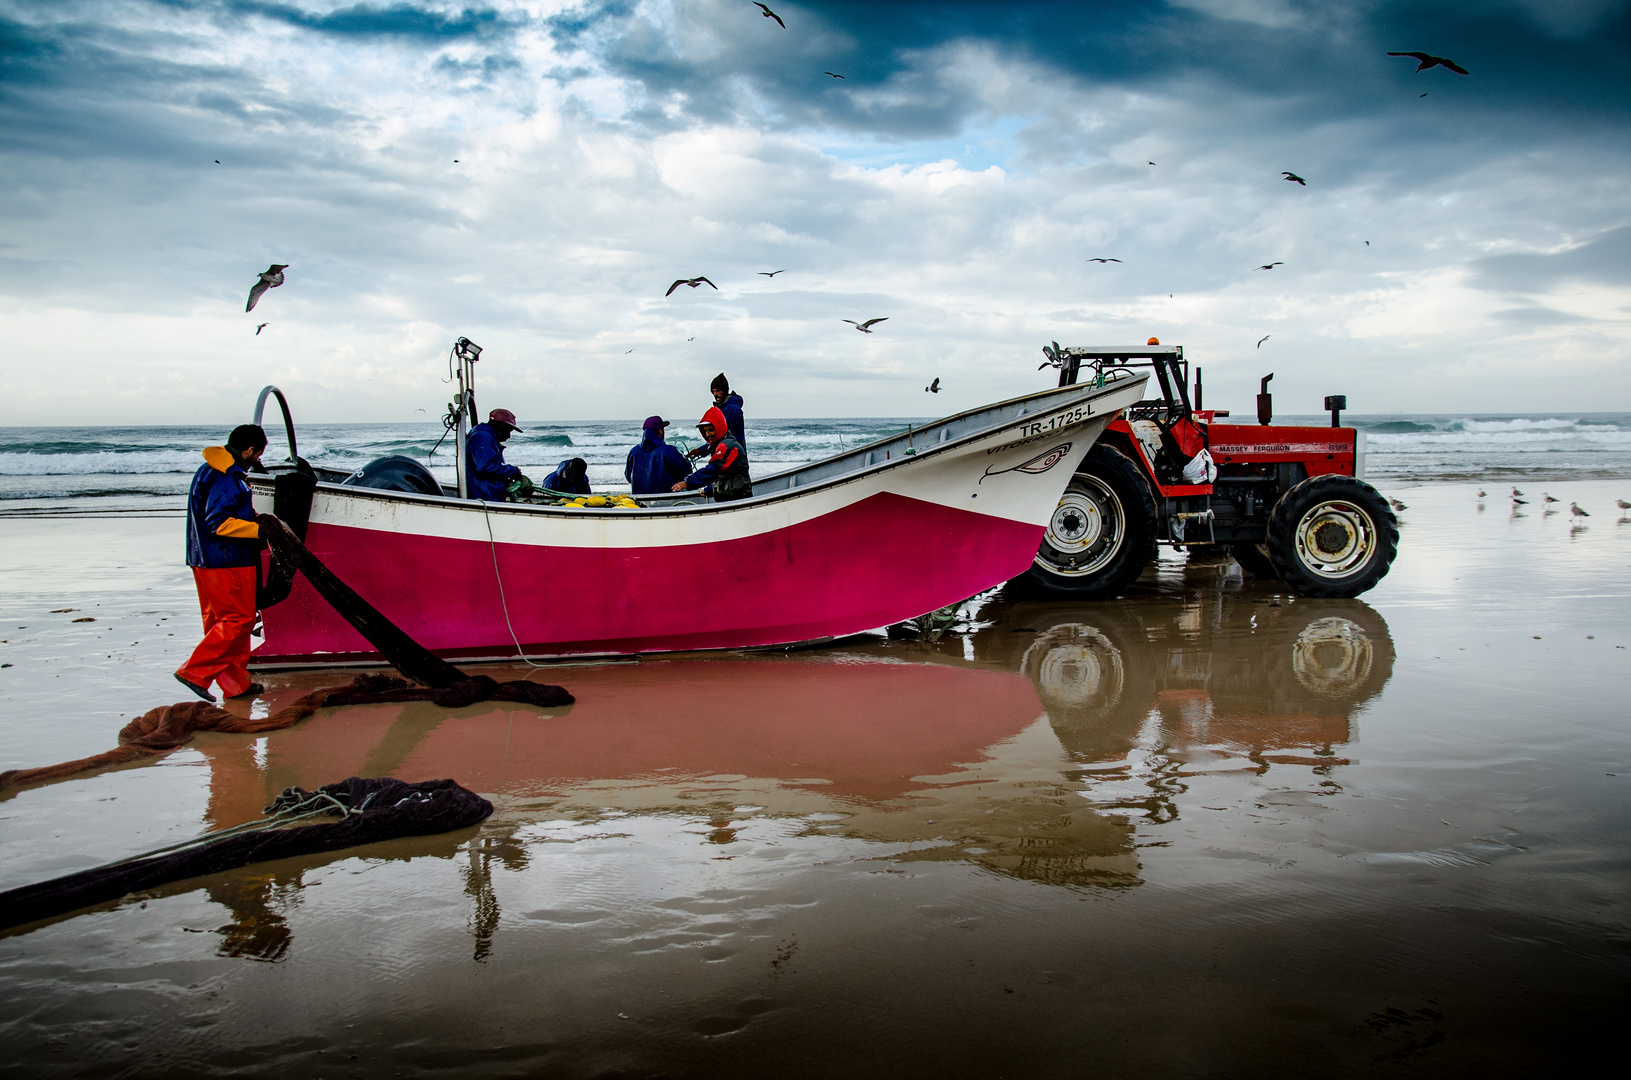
pixel 224 550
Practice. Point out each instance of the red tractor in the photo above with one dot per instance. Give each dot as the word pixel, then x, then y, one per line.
pixel 1287 502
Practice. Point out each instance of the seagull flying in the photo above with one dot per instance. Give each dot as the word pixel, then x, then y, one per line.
pixel 1427 60
pixel 691 281
pixel 1104 260
pixel 865 327
pixel 934 387
pixel 1270 266
pixel 767 273
pixel 1262 339
pixel 1294 178
pixel 627 353
pixel 1574 508
pixel 269 280
pixel 770 14
pixel 834 74
pixel 261 327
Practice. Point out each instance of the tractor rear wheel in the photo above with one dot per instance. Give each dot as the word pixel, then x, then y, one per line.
pixel 1332 536
pixel 1100 537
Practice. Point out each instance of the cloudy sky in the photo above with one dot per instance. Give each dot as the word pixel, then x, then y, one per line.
pixel 534 175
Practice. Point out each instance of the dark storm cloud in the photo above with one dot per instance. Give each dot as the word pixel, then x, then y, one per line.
pixel 1606 259
pixel 395 20
pixel 1320 61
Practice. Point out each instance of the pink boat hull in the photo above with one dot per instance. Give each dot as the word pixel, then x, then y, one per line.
pixel 737 593
pixel 872 538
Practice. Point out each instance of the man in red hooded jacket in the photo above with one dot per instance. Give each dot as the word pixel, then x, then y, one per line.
pixel 726 473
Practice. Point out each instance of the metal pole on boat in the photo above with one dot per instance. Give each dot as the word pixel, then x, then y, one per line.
pixel 288 421
pixel 467 353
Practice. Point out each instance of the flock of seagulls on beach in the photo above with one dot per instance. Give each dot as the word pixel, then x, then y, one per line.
pixel 1547 502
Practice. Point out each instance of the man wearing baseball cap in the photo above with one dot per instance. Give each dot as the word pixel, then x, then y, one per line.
pixel 654 465
pixel 485 470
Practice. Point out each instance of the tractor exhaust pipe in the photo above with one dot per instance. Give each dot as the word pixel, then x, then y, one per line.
pixel 1336 403
pixel 1265 401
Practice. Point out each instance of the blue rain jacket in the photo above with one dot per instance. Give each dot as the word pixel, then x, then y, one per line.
pixel 555 482
pixel 221 529
pixel 654 466
pixel 732 408
pixel 485 470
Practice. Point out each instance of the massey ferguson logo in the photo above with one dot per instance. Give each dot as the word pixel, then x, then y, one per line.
pixel 1039 464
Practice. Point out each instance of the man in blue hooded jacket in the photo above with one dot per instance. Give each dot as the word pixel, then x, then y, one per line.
pixel 571 477
pixel 654 466
pixel 224 551
pixel 486 472
pixel 731 405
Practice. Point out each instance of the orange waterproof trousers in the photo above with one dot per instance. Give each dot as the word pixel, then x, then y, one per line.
pixel 226 597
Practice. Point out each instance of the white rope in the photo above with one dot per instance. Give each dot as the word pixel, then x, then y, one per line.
pixel 502 602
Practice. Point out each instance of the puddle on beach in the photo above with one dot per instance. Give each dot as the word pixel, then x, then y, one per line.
pixel 1210 829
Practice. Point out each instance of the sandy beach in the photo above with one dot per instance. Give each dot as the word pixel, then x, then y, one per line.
pixel 1208 829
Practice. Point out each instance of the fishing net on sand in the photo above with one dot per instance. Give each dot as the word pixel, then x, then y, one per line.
pixel 161 730
pixel 371 810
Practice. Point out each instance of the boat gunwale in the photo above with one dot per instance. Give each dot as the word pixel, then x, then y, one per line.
pixel 453 502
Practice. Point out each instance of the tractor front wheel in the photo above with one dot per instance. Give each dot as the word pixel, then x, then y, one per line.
pixel 1332 536
pixel 1101 535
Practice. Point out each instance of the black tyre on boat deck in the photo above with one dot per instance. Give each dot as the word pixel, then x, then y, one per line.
pixel 1332 536
pixel 1101 535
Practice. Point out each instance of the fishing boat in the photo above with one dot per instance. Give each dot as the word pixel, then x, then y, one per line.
pixel 870 537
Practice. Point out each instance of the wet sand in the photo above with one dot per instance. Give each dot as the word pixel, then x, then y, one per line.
pixel 1208 830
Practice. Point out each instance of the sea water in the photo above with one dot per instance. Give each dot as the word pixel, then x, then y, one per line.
pixel 149 467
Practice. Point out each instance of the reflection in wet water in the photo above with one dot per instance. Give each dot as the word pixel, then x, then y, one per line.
pixel 1031 746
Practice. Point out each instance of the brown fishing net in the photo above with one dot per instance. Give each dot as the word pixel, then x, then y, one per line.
pixel 160 730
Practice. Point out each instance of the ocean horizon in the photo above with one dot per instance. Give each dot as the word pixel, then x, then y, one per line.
pixel 149 466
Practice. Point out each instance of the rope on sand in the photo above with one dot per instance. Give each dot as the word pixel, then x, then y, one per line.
pixel 373 810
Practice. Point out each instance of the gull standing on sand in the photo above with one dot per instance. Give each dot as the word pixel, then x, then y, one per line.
pixel 1398 506
pixel 1574 509
pixel 1545 498
pixel 1480 493
pixel 1623 505
pixel 1516 493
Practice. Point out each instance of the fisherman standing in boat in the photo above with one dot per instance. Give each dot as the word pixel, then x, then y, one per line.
pixel 224 551
pixel 486 471
pixel 726 474
pixel 731 405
